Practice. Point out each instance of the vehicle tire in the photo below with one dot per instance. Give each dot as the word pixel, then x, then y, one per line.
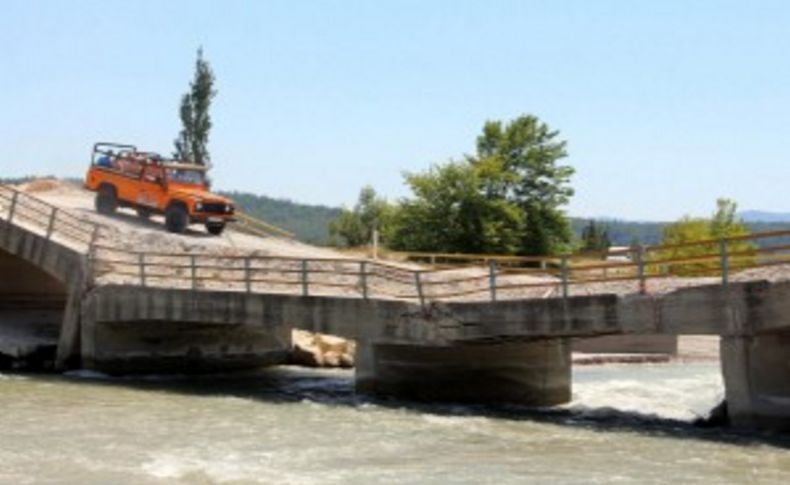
pixel 215 229
pixel 144 213
pixel 176 218
pixel 106 200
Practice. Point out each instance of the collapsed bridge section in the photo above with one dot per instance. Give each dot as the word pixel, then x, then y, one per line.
pixel 46 286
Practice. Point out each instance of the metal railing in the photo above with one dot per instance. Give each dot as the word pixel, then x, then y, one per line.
pixel 251 273
pixel 377 279
pixel 43 218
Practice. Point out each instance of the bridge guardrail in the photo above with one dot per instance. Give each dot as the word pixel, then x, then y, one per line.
pixel 47 219
pixel 368 278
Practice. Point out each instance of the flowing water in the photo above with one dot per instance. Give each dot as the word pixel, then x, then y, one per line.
pixel 626 424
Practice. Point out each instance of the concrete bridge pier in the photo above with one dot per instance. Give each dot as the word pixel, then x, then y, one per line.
pixel 533 373
pixel 756 373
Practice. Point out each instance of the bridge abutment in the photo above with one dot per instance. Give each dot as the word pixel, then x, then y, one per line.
pixel 756 372
pixel 534 373
pixel 32 305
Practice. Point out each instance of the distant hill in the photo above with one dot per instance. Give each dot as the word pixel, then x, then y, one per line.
pixel 310 223
pixel 623 233
pixel 764 216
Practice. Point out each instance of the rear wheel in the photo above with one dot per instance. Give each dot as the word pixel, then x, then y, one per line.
pixel 106 200
pixel 215 228
pixel 176 218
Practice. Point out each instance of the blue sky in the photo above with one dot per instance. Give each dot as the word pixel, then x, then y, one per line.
pixel 666 105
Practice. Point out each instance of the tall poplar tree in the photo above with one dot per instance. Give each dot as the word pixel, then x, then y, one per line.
pixel 192 142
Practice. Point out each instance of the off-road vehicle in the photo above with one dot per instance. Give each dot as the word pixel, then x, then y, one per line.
pixel 122 176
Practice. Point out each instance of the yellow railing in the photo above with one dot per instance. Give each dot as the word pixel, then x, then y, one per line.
pixel 258 227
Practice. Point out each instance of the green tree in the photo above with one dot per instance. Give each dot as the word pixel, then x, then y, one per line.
pixel 506 198
pixel 726 224
pixel 355 227
pixel 595 238
pixel 192 142
pixel 688 230
pixel 451 212
pixel 723 224
pixel 347 230
pixel 528 154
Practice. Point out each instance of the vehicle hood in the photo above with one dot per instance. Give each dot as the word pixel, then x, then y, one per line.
pixel 196 194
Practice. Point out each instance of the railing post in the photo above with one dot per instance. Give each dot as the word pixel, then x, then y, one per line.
pixel 640 268
pixel 91 266
pixel 141 262
pixel 564 274
pixel 193 271
pixel 418 284
pixel 12 208
pixel 492 278
pixel 363 278
pixel 305 283
pixel 247 275
pixel 725 262
pixel 51 225
pixel 94 235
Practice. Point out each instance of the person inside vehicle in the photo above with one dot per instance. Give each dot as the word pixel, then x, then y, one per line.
pixel 106 159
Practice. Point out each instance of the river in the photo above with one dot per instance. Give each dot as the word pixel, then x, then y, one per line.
pixel 626 424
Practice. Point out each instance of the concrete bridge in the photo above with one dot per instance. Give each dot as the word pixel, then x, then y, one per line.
pixel 423 334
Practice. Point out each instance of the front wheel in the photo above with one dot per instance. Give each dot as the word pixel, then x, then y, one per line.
pixel 215 229
pixel 176 219
pixel 106 200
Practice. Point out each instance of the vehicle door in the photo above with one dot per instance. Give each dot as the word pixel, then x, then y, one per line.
pixel 151 191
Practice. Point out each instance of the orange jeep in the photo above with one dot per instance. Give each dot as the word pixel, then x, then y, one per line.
pixel 121 176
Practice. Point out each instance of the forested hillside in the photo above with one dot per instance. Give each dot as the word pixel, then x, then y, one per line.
pixel 310 223
pixel 623 233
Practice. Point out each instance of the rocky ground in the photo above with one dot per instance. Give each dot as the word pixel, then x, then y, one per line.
pixel 319 350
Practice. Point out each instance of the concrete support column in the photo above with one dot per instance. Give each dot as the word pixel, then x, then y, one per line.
pixel 68 353
pixel 757 380
pixel 534 373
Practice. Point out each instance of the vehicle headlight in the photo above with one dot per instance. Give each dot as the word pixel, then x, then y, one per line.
pixel 198 206
pixel 229 209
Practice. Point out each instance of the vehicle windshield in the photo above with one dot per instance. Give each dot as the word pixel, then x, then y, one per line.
pixel 185 176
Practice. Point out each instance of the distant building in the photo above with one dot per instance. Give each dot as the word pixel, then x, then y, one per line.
pixel 621 253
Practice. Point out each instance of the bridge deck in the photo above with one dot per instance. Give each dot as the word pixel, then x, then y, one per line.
pixel 128 251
